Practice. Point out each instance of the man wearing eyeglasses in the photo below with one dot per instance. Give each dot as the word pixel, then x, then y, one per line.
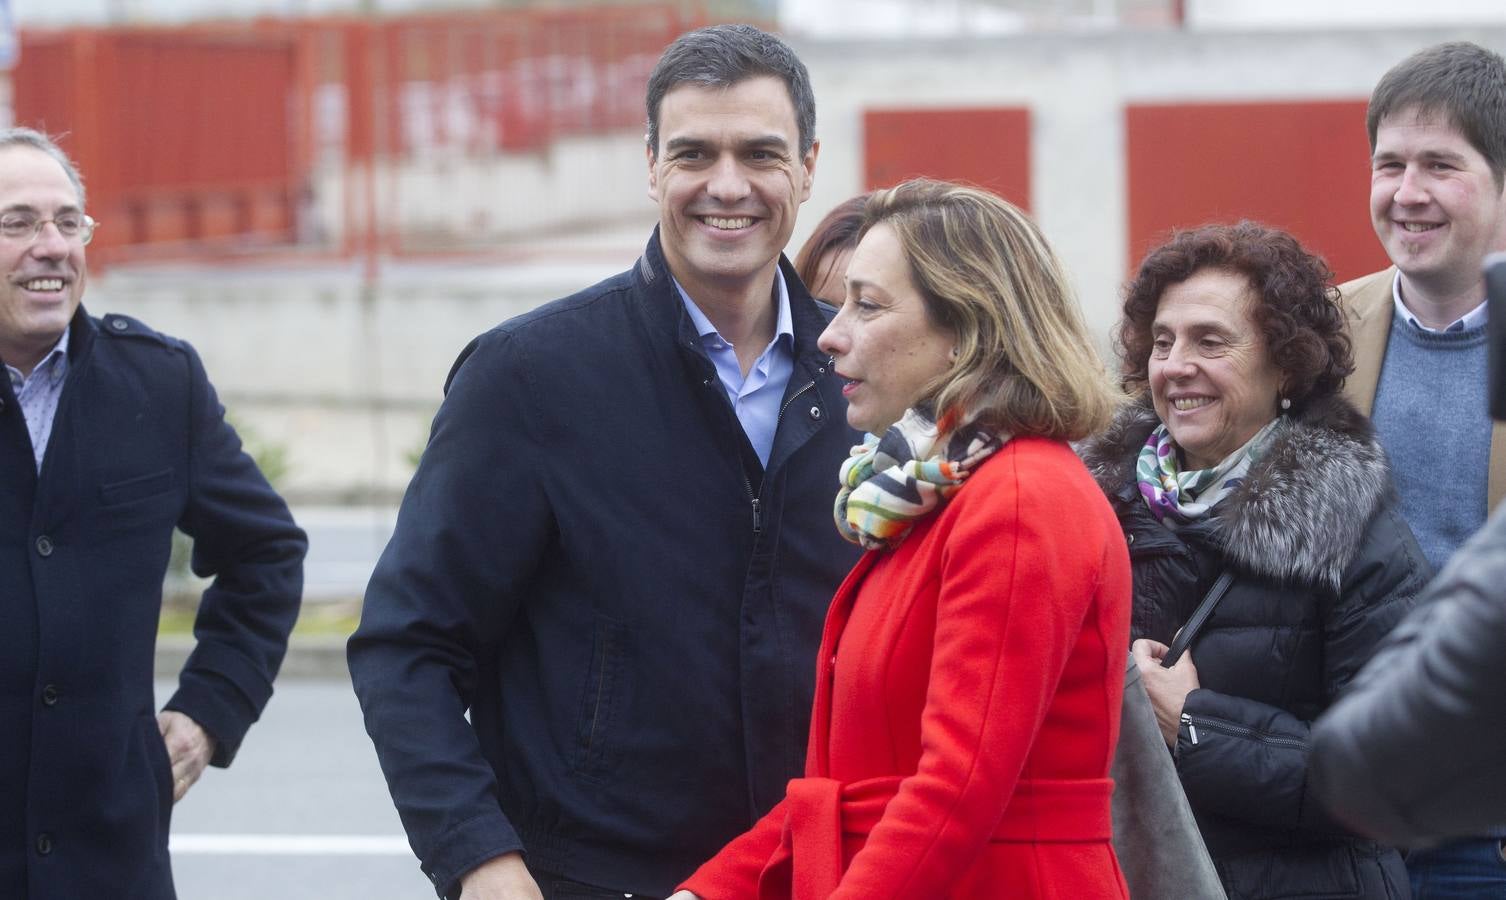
pixel 111 436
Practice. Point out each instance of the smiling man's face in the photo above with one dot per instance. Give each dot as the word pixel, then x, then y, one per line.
pixel 44 276
pixel 1434 202
pixel 729 177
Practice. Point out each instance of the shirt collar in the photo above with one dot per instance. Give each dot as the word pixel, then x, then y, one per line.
pixel 1472 319
pixel 52 367
pixel 783 325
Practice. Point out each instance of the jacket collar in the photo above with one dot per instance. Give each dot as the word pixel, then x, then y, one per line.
pixel 1302 511
pixel 1368 304
pixel 652 277
pixel 82 331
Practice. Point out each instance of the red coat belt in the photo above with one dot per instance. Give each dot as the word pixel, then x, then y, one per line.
pixel 820 811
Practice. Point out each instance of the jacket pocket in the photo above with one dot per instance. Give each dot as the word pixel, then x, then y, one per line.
pixel 140 487
pixel 593 740
pixel 162 771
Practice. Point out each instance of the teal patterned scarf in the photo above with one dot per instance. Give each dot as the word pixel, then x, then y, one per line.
pixel 889 483
pixel 1190 495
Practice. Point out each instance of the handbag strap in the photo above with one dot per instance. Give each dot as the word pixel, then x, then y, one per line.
pixel 1184 638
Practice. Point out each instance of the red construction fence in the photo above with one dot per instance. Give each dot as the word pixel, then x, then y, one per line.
pixel 206 136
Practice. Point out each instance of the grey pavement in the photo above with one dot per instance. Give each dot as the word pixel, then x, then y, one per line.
pixel 303 813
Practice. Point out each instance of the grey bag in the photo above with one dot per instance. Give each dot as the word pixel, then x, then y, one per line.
pixel 1155 836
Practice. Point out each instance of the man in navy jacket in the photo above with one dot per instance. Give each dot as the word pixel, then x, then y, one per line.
pixel 111 436
pixel 618 549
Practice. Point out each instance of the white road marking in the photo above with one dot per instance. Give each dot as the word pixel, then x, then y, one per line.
pixel 289 845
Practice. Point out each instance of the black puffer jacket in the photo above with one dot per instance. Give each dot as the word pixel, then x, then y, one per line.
pixel 1324 566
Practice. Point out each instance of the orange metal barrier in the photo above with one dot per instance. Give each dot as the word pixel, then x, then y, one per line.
pixel 206 137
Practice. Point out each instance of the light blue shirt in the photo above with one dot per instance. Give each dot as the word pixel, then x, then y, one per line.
pixel 1471 319
pixel 38 394
pixel 755 398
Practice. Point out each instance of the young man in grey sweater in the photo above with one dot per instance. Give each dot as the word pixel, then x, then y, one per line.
pixel 1437 125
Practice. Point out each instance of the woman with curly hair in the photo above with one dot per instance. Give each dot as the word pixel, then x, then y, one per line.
pixel 1261 520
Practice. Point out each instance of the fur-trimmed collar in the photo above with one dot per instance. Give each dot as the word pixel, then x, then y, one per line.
pixel 1303 508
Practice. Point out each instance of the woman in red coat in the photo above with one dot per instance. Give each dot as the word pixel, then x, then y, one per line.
pixel 971 671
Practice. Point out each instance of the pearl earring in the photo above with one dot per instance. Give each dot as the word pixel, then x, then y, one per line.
pixel 1286 403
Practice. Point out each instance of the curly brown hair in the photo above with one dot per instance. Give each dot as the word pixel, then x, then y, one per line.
pixel 1296 304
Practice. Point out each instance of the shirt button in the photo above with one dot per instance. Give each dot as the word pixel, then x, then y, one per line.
pixel 1130 539
pixel 44 844
pixel 50 695
pixel 119 324
pixel 816 412
pixel 44 546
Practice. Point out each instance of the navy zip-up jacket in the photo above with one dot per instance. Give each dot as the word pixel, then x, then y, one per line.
pixel 591 561
pixel 139 445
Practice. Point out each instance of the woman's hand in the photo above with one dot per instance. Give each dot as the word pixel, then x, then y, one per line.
pixel 1168 688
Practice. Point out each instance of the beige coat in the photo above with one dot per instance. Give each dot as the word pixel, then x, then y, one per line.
pixel 1369 308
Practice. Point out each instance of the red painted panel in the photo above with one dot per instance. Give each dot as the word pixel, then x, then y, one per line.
pixel 1301 166
pixel 988 147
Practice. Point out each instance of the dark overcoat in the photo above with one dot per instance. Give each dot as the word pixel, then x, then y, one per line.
pixel 591 560
pixel 139 445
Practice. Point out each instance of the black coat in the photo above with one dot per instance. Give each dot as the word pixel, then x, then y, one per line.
pixel 1323 568
pixel 592 562
pixel 139 445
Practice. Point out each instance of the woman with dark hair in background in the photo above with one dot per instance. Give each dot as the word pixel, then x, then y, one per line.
pixel 969 680
pixel 822 260
pixel 1241 460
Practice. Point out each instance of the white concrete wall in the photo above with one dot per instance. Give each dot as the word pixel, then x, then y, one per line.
pixel 343 374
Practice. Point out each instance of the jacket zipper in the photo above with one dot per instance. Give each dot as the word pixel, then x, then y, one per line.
pixel 1239 731
pixel 748 485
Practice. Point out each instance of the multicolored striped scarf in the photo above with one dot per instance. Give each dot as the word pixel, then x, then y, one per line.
pixel 890 482
pixel 1191 495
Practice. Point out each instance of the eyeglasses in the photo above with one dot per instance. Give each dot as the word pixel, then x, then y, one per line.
pixel 26 226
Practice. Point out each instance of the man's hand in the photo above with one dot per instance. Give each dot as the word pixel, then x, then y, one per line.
pixel 1167 688
pixel 189 749
pixel 502 878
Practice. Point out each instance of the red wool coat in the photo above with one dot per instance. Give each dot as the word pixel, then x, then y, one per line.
pixel 967 705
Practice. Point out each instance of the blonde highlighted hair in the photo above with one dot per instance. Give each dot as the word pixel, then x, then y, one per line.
pixel 1025 362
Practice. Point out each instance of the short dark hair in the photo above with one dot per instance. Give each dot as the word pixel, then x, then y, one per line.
pixel 723 55
pixel 836 232
pixel 1296 306
pixel 1460 81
